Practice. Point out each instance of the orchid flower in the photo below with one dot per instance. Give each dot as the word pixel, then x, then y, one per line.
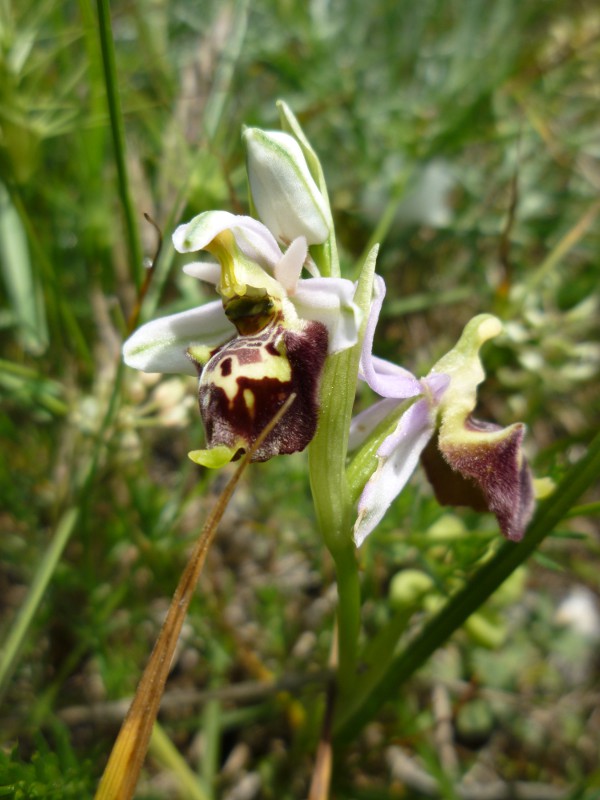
pixel 469 462
pixel 266 338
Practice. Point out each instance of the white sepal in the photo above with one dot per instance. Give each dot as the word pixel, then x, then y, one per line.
pixel 161 345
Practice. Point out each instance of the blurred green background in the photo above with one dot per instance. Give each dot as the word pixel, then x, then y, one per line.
pixel 464 136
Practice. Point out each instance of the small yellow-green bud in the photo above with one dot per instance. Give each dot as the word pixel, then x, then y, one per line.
pixel 408 586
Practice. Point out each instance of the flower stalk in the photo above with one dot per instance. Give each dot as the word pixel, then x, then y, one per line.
pixel 327 468
pixel 118 135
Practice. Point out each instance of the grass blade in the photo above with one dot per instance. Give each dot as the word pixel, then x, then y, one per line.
pixel 16 637
pixel 22 288
pixel 118 134
pixel 480 586
pixel 162 748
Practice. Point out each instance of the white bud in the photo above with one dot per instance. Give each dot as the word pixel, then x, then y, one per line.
pixel 284 192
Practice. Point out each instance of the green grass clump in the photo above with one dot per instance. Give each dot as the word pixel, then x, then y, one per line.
pixel 51 772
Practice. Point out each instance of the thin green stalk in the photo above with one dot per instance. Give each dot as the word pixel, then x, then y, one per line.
pixel 374 658
pixel 16 638
pixel 165 752
pixel 332 505
pixel 387 218
pixel 327 465
pixel 327 451
pixel 348 618
pixel 221 85
pixel 480 587
pixel 118 135
pixel 66 526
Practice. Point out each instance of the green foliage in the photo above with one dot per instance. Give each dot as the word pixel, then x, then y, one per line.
pixel 51 773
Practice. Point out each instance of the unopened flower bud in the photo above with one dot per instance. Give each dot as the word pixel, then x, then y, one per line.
pixel 284 192
pixel 409 586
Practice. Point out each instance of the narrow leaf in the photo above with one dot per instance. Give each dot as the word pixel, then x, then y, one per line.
pixel 480 587
pixel 22 287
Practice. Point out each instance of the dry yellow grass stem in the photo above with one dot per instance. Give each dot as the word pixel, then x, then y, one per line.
pixel 122 771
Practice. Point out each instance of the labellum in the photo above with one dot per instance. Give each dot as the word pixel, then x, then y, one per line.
pixel 246 381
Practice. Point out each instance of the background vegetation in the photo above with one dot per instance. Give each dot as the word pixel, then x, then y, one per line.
pixel 463 135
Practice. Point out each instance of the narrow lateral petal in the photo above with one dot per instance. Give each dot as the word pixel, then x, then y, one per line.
pixel 161 345
pixel 398 457
pixel 288 269
pixel 387 379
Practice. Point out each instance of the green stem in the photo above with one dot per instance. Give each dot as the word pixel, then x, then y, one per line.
pixel 12 646
pixel 118 135
pixel 328 450
pixel 66 526
pixel 165 752
pixel 327 454
pixel 223 76
pixel 348 619
pixel 327 465
pixel 375 657
pixel 330 493
pixel 459 608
